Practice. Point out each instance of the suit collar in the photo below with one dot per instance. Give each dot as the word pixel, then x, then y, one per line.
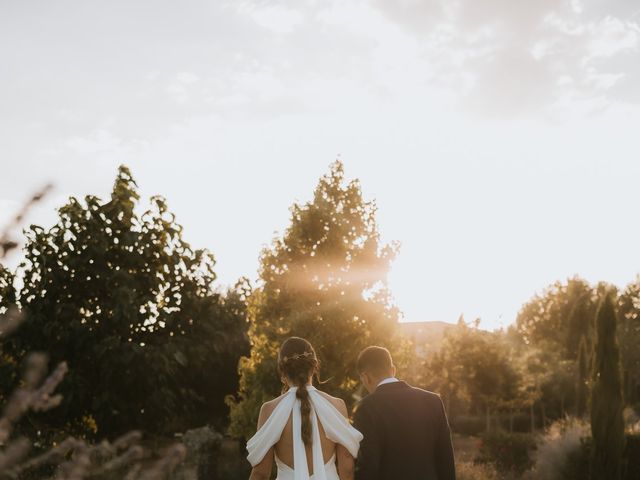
pixel 385 387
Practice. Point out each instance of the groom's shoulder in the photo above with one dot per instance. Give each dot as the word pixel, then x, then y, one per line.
pixel 425 393
pixel 428 395
pixel 410 391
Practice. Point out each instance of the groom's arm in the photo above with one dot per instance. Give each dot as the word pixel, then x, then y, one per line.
pixel 368 461
pixel 444 447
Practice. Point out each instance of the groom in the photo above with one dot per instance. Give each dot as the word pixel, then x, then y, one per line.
pixel 406 432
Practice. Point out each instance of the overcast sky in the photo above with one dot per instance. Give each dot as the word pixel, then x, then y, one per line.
pixel 500 138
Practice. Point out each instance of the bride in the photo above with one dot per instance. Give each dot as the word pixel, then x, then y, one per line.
pixel 305 431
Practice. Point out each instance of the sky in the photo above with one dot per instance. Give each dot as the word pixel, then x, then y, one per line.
pixel 500 139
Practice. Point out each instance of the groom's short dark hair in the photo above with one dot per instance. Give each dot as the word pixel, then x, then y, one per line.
pixel 376 360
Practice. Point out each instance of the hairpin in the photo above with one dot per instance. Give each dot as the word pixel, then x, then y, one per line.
pixel 297 356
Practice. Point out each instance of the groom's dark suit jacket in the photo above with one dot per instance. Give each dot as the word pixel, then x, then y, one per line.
pixel 406 435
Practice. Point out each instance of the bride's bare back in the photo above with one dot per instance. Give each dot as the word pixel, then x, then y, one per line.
pixel 286 425
pixel 284 447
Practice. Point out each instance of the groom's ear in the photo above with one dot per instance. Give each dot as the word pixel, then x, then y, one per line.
pixel 393 370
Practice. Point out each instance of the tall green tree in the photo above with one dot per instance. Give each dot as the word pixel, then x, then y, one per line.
pixel 559 317
pixel 582 378
pixel 607 424
pixel 629 339
pixel 325 280
pixel 132 308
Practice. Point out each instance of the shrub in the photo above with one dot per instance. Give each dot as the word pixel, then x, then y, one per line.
pixel 632 456
pixel 521 423
pixel 509 452
pixel 564 453
pixel 631 420
pixel 577 467
pixel 472 471
pixel 468 424
pixel 561 451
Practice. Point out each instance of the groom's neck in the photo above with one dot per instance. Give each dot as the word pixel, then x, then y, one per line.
pixel 381 378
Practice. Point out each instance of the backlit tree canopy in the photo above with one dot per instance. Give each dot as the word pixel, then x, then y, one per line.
pixel 560 316
pixel 133 310
pixel 325 280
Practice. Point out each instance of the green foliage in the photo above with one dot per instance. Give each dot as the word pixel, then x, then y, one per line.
pixel 632 457
pixel 560 451
pixel 553 325
pixel 607 423
pixel 8 363
pixel 509 452
pixel 582 390
pixel 471 425
pixel 629 339
pixel 325 280
pixel 474 368
pixel 559 317
pixel 7 289
pixel 133 310
pixel 575 465
pixel 476 471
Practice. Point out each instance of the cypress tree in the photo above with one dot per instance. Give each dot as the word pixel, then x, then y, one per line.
pixel 607 424
pixel 581 386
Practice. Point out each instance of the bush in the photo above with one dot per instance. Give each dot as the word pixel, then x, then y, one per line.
pixel 577 467
pixel 562 451
pixel 509 452
pixel 521 423
pixel 468 424
pixel 472 471
pixel 632 455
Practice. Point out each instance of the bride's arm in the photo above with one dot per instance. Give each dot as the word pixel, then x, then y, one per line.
pixel 262 471
pixel 346 463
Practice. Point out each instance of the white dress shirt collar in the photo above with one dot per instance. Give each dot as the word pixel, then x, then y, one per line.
pixel 388 380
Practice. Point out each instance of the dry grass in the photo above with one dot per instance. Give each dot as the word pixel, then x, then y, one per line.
pixel 470 471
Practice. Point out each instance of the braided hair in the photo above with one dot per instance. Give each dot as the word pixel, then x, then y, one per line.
pixel 297 362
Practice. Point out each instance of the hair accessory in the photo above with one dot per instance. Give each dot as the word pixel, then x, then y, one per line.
pixel 297 356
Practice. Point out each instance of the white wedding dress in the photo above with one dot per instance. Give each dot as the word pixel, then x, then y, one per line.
pixel 336 427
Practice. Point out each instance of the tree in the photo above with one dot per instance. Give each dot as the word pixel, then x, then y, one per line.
pixel 7 289
pixel 582 378
pixel 607 424
pixel 629 339
pixel 133 310
pixel 474 367
pixel 8 373
pixel 325 280
pixel 36 391
pixel 559 317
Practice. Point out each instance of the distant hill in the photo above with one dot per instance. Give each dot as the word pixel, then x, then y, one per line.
pixel 425 336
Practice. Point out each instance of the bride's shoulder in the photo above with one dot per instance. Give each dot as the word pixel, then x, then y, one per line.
pixel 337 402
pixel 267 409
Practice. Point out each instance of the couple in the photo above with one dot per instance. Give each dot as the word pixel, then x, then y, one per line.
pixel 401 432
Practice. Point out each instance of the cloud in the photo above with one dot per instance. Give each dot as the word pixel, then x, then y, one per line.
pixel 516 57
pixel 276 18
